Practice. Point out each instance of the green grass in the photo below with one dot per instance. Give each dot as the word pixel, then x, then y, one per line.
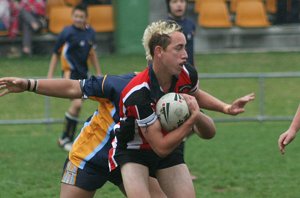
pixel 241 161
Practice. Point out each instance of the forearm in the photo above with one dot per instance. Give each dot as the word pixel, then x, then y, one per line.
pixel 95 63
pixel 205 127
pixel 295 125
pixel 164 145
pixel 62 88
pixel 209 102
pixel 52 65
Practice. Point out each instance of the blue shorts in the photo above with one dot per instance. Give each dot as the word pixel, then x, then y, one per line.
pixel 88 179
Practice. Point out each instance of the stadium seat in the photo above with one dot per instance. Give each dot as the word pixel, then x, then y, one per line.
pixel 251 14
pixel 198 3
pixel 73 2
pixel 53 3
pixel 59 17
pixel 214 14
pixel 234 3
pixel 101 18
pixel 3 33
pixel 271 6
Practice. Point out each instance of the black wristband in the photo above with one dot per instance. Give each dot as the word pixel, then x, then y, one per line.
pixel 28 84
pixel 35 86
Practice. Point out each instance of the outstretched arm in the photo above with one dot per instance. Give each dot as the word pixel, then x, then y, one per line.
pixel 288 136
pixel 207 101
pixel 62 88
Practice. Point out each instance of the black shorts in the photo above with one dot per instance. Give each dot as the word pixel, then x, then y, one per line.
pixel 173 159
pixel 150 159
pixel 88 179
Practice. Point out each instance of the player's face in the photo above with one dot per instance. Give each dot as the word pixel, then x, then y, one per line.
pixel 178 7
pixel 175 55
pixel 79 18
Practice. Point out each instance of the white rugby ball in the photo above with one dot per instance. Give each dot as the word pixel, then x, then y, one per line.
pixel 172 111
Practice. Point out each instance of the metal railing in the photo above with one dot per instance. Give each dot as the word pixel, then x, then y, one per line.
pixel 261 77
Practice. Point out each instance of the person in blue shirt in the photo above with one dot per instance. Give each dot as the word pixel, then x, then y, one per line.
pixel 177 12
pixel 75 46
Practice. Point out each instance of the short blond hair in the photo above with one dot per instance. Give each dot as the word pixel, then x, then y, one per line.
pixel 157 33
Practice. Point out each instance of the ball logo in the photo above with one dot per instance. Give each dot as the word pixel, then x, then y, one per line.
pixel 165 111
pixel 172 111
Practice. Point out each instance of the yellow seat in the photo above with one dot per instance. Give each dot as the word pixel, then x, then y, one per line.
pixel 214 14
pixel 59 17
pixel 251 14
pixel 197 5
pixel 3 33
pixel 101 18
pixel 53 3
pixel 73 2
pixel 234 3
pixel 271 6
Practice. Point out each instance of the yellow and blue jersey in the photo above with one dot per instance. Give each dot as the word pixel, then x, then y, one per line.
pixel 90 148
pixel 75 46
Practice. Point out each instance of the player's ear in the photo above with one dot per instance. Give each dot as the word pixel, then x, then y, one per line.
pixel 158 51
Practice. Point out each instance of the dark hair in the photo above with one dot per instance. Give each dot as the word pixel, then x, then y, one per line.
pixel 82 8
pixel 168 5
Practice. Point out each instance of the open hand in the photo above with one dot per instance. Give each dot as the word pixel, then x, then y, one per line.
pixel 12 85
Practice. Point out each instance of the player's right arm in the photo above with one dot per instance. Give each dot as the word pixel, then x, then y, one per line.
pixel 62 88
pixel 165 144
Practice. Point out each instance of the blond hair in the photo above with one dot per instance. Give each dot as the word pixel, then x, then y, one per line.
pixel 157 33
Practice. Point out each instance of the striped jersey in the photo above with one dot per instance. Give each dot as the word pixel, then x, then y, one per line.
pixel 138 100
pixel 90 148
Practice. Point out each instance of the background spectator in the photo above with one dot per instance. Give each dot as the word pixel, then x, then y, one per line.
pixel 4 14
pixel 32 19
pixel 96 2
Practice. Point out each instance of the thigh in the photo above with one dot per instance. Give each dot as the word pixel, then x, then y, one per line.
pixel 155 189
pixel 70 191
pixel 135 180
pixel 176 181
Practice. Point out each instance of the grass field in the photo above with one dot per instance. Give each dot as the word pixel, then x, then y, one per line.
pixel 241 161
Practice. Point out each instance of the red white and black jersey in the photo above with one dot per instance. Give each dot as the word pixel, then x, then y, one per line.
pixel 138 100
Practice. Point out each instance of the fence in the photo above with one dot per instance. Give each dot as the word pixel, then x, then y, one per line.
pixel 260 77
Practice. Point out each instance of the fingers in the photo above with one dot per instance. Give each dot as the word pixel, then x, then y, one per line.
pixel 4 92
pixel 248 98
pixel 191 102
pixel 281 145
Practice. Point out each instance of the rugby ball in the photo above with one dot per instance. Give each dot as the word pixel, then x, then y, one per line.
pixel 172 111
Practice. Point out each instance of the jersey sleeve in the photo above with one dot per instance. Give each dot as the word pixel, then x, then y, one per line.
pixel 193 73
pixel 141 108
pixel 61 40
pixel 93 87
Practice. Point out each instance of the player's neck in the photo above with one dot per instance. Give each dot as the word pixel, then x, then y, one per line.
pixel 163 77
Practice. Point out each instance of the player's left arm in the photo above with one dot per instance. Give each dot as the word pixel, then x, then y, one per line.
pixel 204 127
pixel 95 62
pixel 207 101
pixel 62 88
